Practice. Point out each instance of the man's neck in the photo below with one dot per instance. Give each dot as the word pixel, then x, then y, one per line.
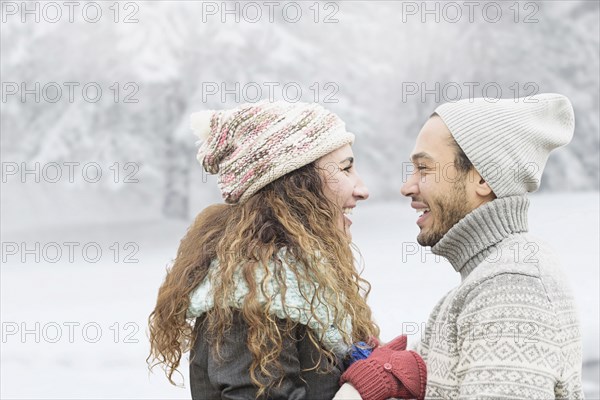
pixel 470 240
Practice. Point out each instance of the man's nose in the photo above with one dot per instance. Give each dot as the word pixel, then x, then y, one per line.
pixel 410 187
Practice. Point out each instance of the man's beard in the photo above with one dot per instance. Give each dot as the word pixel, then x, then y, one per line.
pixel 445 211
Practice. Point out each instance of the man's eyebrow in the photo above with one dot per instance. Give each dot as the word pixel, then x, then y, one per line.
pixel 421 155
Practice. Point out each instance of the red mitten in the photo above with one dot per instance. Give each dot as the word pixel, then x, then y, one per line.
pixel 390 371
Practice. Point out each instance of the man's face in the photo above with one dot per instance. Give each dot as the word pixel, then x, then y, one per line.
pixel 438 190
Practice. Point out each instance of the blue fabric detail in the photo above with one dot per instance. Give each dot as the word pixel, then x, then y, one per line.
pixel 359 353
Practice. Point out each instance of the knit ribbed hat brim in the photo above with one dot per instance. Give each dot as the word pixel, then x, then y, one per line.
pixel 509 140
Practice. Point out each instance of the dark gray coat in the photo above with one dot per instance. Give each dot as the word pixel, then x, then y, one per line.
pixel 229 379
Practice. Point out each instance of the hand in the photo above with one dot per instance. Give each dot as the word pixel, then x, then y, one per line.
pixel 390 371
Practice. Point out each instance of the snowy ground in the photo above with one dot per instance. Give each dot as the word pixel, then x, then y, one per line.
pixel 90 338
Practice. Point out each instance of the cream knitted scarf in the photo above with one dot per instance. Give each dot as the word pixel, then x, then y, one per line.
pixel 295 305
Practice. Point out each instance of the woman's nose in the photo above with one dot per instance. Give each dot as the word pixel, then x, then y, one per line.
pixel 361 191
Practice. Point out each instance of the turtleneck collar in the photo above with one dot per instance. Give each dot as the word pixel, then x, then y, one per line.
pixel 469 242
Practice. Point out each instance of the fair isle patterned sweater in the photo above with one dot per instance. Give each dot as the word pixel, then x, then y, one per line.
pixel 510 330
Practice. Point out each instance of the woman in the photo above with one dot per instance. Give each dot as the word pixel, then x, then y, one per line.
pixel 270 278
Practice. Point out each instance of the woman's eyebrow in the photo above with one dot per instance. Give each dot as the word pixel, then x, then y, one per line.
pixel 350 159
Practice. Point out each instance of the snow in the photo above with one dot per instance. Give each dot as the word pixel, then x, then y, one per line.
pixel 369 58
pixel 81 364
pixel 168 58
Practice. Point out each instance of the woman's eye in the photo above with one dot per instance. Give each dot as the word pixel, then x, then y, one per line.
pixel 421 167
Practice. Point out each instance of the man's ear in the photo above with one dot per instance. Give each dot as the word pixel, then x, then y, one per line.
pixel 481 186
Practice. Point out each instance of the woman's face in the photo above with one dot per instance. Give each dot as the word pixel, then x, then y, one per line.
pixel 343 185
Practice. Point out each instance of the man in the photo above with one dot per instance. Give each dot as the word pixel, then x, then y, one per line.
pixel 510 329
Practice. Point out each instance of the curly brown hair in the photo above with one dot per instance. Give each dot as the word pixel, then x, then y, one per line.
pixel 289 212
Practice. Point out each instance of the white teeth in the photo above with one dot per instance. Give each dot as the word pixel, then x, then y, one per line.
pixel 347 211
pixel 422 211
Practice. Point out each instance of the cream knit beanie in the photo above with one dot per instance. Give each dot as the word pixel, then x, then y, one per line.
pixel 509 140
pixel 254 144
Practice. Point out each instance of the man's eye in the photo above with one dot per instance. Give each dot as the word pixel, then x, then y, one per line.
pixel 421 167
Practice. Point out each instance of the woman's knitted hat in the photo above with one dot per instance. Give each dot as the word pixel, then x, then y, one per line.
pixel 254 144
pixel 508 141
